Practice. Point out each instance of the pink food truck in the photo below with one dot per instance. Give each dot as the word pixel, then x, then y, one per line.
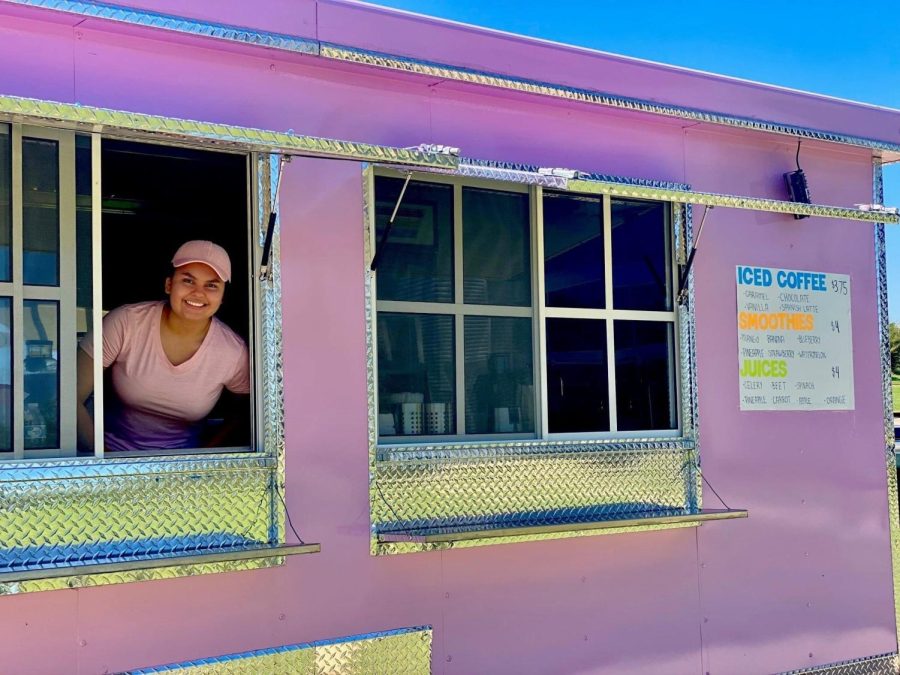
pixel 506 356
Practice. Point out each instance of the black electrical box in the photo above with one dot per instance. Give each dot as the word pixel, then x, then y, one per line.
pixel 798 189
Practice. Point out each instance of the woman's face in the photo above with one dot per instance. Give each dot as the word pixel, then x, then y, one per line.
pixel 195 292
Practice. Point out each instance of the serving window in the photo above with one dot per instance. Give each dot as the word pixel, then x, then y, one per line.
pixel 531 373
pixel 508 312
pixel 88 225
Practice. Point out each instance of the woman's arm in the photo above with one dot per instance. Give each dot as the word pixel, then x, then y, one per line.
pixel 85 387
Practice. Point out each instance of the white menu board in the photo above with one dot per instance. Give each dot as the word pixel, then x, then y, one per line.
pixel 795 348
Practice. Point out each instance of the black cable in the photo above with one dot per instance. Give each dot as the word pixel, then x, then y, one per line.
pixel 288 514
pixel 709 485
pixel 386 502
pixel 798 156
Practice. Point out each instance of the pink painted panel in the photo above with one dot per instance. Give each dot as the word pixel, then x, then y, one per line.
pixel 815 483
pixel 621 603
pixel 38 73
pixel 806 579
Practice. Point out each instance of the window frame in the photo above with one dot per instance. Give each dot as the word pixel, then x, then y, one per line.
pixel 64 294
pixel 537 311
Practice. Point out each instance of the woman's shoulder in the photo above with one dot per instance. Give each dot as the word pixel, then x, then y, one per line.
pixel 226 339
pixel 132 314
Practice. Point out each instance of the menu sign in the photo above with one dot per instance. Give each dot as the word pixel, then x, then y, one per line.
pixel 795 349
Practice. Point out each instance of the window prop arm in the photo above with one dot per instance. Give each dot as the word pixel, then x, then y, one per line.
pixel 273 217
pixel 682 282
pixel 382 242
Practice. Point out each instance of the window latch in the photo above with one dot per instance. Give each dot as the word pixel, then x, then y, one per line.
pixel 382 242
pixel 683 280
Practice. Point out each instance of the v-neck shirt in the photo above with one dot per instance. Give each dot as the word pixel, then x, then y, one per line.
pixel 161 405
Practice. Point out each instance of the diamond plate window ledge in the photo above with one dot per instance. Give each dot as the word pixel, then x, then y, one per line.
pixel 534 528
pixel 73 564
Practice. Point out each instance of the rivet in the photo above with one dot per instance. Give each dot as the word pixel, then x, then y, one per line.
pixel 281 617
pixel 447 596
pixel 449 658
pixel 83 643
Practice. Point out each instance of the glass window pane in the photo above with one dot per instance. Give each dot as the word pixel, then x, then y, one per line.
pixel 84 286
pixel 5 203
pixel 40 202
pixel 642 273
pixel 496 248
pixel 499 375
pixel 41 325
pixel 573 251
pixel 5 375
pixel 416 375
pixel 417 263
pixel 645 375
pixel 577 376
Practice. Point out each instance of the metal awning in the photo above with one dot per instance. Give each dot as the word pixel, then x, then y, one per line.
pixel 225 136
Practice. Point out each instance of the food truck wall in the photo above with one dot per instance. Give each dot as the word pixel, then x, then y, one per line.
pixel 805 580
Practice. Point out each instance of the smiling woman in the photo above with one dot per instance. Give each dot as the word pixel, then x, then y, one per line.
pixel 169 360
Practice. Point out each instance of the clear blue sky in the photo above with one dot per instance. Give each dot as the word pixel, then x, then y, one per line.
pixel 844 49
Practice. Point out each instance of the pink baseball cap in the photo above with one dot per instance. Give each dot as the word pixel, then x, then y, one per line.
pixel 206 252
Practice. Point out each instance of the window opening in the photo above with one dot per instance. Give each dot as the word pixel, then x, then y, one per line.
pixel 72 249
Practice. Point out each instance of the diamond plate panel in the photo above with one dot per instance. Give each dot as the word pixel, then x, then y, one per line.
pixel 886 664
pixel 523 487
pixel 399 652
pixel 35 111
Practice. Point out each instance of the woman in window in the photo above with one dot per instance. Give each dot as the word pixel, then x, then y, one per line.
pixel 169 360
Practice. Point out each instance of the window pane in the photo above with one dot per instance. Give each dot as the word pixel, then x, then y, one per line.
pixel 5 203
pixel 645 375
pixel 416 375
pixel 84 286
pixel 496 248
pixel 41 324
pixel 577 376
pixel 573 251
pixel 40 201
pixel 642 276
pixel 417 264
pixel 5 375
pixel 499 375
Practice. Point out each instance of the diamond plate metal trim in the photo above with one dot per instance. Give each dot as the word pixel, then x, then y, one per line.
pixel 525 482
pixel 441 71
pixel 130 576
pixel 177 24
pixel 730 201
pixel 138 125
pixel 885 664
pixel 405 651
pixel 74 512
pixel 887 393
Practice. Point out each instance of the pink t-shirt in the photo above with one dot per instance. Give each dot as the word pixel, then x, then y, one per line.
pixel 163 405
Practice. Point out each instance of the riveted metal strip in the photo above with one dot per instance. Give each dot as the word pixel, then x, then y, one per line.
pixel 138 125
pixel 887 394
pixel 177 24
pixel 730 201
pixel 484 78
pixel 441 71
pixel 405 651
pixel 884 664
pixel 129 576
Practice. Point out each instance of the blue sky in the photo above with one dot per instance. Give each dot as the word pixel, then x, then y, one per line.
pixel 840 49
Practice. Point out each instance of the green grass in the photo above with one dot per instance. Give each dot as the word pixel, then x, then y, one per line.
pixel 895 387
